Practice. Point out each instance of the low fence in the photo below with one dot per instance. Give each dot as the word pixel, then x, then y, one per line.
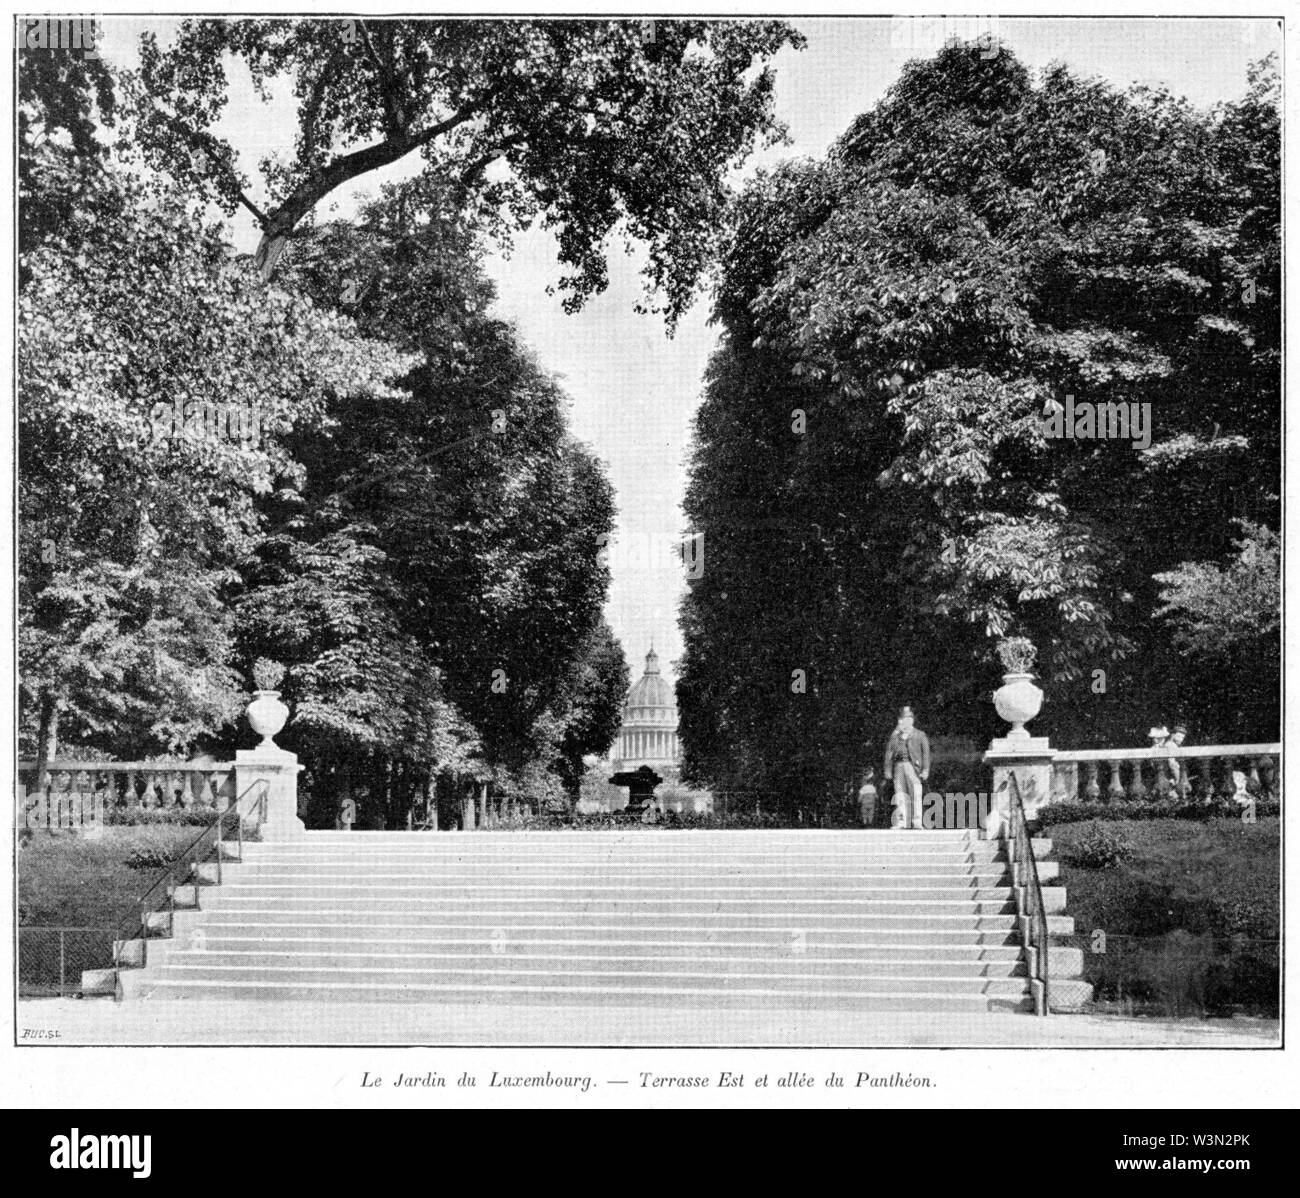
pixel 51 959
pixel 1200 773
pixel 69 794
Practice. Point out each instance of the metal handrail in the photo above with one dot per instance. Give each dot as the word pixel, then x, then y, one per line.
pixel 1028 891
pixel 196 853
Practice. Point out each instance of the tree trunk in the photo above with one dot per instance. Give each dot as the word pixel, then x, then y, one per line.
pixel 47 737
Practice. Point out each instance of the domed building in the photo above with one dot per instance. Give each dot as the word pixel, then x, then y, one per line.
pixel 648 737
pixel 649 732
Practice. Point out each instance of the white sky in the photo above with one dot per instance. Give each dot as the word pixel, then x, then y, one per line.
pixel 633 389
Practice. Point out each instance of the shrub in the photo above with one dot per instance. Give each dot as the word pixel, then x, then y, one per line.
pixel 1179 970
pixel 149 858
pixel 1099 848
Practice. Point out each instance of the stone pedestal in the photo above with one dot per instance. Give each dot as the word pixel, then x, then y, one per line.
pixel 1030 759
pixel 278 768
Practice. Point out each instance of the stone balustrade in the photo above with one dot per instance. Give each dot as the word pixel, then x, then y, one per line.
pixel 1204 773
pixel 72 793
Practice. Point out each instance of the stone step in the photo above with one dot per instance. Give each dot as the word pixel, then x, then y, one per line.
pixel 675 921
pixel 359 844
pixel 424 864
pixel 630 922
pixel 755 999
pixel 367 902
pixel 965 952
pixel 803 981
pixel 745 843
pixel 422 870
pixel 920 938
pixel 565 958
pixel 586 890
pixel 644 847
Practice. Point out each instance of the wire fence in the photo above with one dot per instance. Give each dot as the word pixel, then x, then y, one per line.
pixel 51 959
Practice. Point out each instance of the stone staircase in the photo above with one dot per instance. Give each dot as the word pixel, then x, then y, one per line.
pixel 886 920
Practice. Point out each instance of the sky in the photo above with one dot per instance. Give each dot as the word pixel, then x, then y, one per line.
pixel 634 390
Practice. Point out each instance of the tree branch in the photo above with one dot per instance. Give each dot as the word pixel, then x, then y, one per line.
pixel 477 167
pixel 280 223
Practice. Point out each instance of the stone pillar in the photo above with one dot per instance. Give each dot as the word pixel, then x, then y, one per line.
pixel 1030 759
pixel 278 769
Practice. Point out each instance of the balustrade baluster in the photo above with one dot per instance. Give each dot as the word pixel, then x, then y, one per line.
pixel 1203 789
pixel 1229 786
pixel 1115 791
pixel 1161 785
pixel 1269 777
pixel 1137 790
pixel 1093 788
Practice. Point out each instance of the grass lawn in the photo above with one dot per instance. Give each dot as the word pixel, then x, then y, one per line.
pixel 77 882
pixel 1176 917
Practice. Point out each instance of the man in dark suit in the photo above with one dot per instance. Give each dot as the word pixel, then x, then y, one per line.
pixel 907 761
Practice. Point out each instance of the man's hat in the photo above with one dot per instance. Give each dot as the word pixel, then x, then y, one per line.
pixel 1179 728
pixel 907 714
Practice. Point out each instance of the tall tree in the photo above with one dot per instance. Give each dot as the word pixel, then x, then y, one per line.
pixel 158 379
pixel 594 712
pixel 601 124
pixel 453 527
pixel 897 321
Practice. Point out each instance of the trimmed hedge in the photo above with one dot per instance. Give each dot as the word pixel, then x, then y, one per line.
pixel 130 817
pixel 1074 813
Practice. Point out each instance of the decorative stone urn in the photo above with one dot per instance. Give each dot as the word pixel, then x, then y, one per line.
pixel 1018 700
pixel 267 715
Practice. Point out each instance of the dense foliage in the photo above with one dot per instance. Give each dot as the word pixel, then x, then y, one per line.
pixel 601 126
pixel 874 468
pixel 354 470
